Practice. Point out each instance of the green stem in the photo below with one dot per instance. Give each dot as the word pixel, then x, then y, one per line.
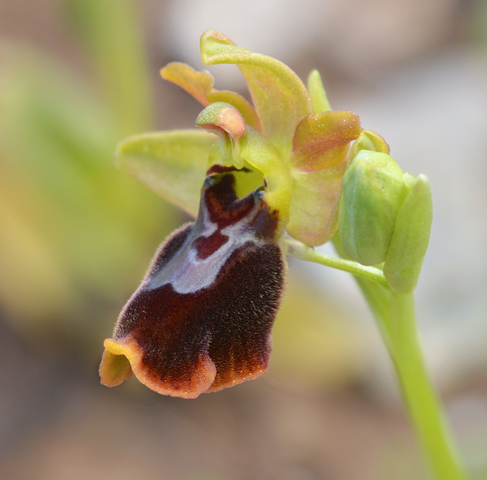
pixel 424 407
pixel 396 320
pixel 299 250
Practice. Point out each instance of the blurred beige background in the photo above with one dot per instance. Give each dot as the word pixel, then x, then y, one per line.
pixel 76 234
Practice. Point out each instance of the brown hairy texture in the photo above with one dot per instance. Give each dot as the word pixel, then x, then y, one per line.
pixel 230 321
pixel 218 334
pixel 163 255
pixel 265 223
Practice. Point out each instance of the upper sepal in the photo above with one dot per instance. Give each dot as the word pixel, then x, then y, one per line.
pixel 279 96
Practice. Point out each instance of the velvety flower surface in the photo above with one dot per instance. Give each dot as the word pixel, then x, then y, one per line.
pixel 202 317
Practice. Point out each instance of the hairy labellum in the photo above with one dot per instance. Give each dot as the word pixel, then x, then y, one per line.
pixel 201 319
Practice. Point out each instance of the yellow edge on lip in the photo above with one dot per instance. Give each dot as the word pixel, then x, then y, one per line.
pixel 123 357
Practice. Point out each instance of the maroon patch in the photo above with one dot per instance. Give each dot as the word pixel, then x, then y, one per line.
pixel 207 246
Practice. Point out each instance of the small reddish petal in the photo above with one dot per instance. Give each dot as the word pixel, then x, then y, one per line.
pixel 197 84
pixel 200 86
pixel 323 140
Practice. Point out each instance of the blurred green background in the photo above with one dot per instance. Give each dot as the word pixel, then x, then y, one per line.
pixel 76 235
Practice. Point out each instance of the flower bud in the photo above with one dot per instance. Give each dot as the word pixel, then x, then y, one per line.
pixel 411 236
pixel 373 191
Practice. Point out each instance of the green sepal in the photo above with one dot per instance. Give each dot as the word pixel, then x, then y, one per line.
pixel 172 164
pixel 411 236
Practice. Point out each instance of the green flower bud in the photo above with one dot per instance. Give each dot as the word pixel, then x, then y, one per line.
pixel 369 140
pixel 373 191
pixel 411 236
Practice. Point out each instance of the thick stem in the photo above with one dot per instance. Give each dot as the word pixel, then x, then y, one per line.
pixel 424 407
pixel 396 320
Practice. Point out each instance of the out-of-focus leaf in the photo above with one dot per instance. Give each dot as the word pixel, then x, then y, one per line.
pixel 112 38
pixel 318 345
pixel 93 224
pixel 33 279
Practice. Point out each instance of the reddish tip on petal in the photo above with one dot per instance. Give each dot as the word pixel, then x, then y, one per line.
pixel 221 115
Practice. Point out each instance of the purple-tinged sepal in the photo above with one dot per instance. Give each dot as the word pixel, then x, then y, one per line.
pixel 201 319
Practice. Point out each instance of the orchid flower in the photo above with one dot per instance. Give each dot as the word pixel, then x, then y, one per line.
pixel 263 180
pixel 256 177
pixel 201 319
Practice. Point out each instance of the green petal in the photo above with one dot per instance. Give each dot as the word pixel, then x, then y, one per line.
pixel 317 93
pixel 173 164
pixel 200 86
pixel 314 205
pixel 323 140
pixel 280 98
